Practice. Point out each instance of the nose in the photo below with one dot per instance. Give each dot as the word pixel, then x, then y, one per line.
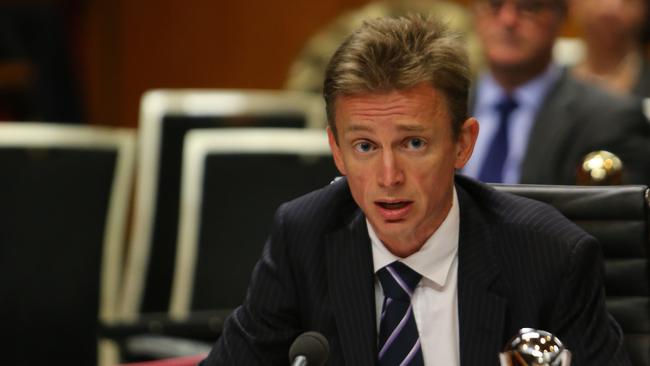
pixel 508 13
pixel 390 173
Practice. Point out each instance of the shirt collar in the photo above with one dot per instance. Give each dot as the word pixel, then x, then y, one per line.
pixel 434 259
pixel 530 94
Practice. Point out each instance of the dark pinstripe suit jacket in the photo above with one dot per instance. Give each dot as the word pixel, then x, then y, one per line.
pixel 521 264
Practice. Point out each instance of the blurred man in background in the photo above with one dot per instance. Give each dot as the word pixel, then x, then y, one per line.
pixel 537 121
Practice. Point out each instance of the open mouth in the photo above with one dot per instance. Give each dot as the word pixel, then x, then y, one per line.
pixel 393 205
pixel 394 211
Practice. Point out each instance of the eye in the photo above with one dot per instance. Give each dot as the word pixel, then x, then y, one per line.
pixel 414 143
pixel 363 146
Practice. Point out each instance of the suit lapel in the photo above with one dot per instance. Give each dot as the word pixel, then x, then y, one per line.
pixel 351 284
pixel 481 312
pixel 552 124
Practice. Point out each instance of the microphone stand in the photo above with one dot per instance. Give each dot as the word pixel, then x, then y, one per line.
pixel 300 361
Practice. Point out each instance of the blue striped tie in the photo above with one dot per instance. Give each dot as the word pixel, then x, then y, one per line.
pixel 492 170
pixel 399 341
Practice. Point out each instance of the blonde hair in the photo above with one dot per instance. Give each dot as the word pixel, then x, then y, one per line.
pixel 399 53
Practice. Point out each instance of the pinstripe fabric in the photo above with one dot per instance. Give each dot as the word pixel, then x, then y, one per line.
pixel 521 264
pixel 352 292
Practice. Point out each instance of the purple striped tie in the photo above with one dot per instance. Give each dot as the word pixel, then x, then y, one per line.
pixel 399 342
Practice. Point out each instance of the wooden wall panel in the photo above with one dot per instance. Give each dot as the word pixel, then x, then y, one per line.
pixel 136 45
pixel 212 44
pixel 98 49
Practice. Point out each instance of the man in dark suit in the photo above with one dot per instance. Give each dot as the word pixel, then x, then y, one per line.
pixel 402 261
pixel 553 120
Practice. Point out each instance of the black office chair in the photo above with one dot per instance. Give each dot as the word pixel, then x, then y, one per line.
pixel 233 180
pixel 249 172
pixel 165 117
pixel 64 195
pixel 618 216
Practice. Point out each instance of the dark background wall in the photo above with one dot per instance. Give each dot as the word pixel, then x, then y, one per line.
pixel 121 48
pixel 129 46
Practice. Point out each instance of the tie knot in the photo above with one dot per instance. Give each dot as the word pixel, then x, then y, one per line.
pixel 507 105
pixel 398 281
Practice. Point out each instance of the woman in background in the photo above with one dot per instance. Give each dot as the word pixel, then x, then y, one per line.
pixel 616 36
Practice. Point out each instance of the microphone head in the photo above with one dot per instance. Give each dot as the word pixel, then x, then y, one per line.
pixel 313 346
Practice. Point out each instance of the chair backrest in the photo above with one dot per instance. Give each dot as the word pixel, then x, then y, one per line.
pixel 64 196
pixel 233 181
pixel 165 117
pixel 569 51
pixel 618 216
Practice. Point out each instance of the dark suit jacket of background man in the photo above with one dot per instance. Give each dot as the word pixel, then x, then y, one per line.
pixel 521 264
pixel 575 119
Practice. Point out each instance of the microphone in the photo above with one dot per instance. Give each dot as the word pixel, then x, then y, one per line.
pixel 309 349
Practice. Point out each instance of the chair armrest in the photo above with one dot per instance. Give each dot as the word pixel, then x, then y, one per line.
pixel 202 325
pixel 157 336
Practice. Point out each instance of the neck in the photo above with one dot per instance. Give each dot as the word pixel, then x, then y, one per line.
pixel 403 250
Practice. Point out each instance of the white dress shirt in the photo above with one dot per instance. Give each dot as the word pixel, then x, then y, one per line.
pixel 435 299
pixel 529 97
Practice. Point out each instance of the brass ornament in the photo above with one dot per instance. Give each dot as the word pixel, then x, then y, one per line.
pixel 600 168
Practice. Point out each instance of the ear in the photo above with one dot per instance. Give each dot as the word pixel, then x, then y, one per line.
pixel 336 152
pixel 465 143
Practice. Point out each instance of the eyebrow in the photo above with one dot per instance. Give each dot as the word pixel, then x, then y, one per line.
pixel 415 128
pixel 401 127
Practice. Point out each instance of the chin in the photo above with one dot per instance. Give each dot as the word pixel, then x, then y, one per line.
pixel 508 62
pixel 394 231
pixel 506 53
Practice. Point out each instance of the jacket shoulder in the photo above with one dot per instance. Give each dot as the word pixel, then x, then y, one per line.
pixel 509 212
pixel 324 208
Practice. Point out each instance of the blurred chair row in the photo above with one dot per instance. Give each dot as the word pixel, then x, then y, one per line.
pixel 66 195
pixel 166 117
pixel 203 203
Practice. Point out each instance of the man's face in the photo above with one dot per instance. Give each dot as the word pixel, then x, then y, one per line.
pixel 399 154
pixel 517 34
pixel 610 22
